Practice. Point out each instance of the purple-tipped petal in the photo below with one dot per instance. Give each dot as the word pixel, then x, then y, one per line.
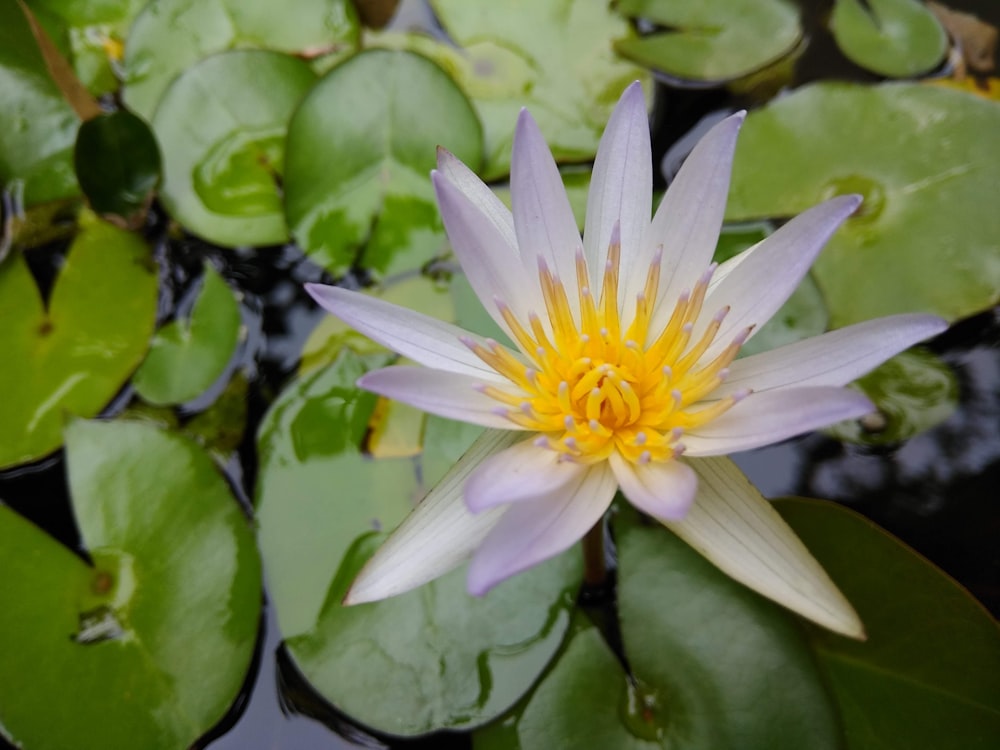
pixel 834 358
pixel 664 490
pixel 438 535
pixel 686 224
pixel 621 188
pixel 446 394
pixel 533 531
pixel 543 218
pixel 770 272
pixel 463 178
pixel 424 339
pixel 522 472
pixel 492 266
pixel 772 416
pixel 739 531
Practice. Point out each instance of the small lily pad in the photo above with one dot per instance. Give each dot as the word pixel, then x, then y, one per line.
pixel 148 646
pixel 712 40
pixel 170 36
pixel 896 38
pixel 369 184
pixel 39 127
pixel 550 56
pixel 913 391
pixel 117 162
pixel 926 239
pixel 187 356
pixel 222 129
pixel 72 355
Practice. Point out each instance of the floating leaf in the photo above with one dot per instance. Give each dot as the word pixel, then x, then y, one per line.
pixel 117 162
pixel 222 129
pixel 72 357
pixel 187 356
pixel 170 36
pixel 712 40
pixel 38 126
pixel 914 391
pixel 925 159
pixel 897 38
pixel 550 56
pixel 928 677
pixel 369 185
pixel 150 645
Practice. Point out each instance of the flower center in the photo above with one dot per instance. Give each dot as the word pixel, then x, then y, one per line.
pixel 590 388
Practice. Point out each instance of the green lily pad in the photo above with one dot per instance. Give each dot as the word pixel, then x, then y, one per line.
pixel 39 127
pixel 149 646
pixel 187 356
pixel 369 184
pixel 896 38
pixel 91 35
pixel 914 391
pixel 170 36
pixel 550 56
pixel 117 162
pixel 72 355
pixel 712 40
pixel 221 126
pixel 925 159
pixel 928 677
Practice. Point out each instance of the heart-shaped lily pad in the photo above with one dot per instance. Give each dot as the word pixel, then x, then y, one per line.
pixel 187 356
pixel 368 185
pixel 550 56
pixel 72 355
pixel 712 40
pixel 149 646
pixel 925 158
pixel 898 38
pixel 170 36
pixel 38 126
pixel 221 126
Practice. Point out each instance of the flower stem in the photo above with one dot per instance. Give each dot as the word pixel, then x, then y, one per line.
pixel 595 571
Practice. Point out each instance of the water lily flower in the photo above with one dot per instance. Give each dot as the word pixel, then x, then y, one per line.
pixel 621 371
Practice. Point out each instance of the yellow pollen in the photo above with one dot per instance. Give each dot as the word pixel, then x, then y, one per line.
pixel 591 388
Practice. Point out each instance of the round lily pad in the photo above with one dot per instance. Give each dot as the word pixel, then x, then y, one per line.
pixel 187 356
pixel 369 184
pixel 553 57
pixel 39 127
pixel 71 355
pixel 712 40
pixel 221 126
pixel 148 646
pixel 897 38
pixel 925 158
pixel 170 36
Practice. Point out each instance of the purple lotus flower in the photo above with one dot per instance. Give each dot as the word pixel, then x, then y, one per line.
pixel 623 374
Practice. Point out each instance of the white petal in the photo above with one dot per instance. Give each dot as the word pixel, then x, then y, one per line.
pixel 491 264
pixel 772 416
pixel 771 270
pixel 447 394
pixel 522 472
pixel 664 490
pixel 438 535
pixel 686 224
pixel 534 531
pixel 735 528
pixel 424 339
pixel 543 218
pixel 833 358
pixel 476 191
pixel 621 188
